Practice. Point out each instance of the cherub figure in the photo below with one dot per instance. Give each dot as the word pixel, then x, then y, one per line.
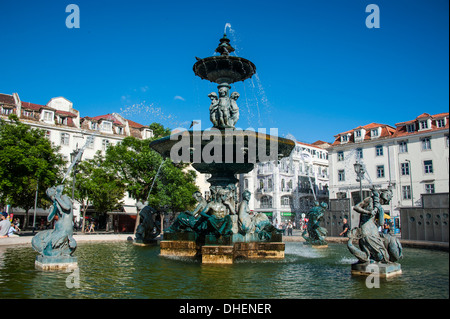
pixel 213 108
pixel 234 110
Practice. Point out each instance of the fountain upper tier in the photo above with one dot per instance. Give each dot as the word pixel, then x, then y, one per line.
pixel 224 68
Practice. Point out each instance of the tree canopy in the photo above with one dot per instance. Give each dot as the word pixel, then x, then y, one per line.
pixel 27 158
pixel 138 165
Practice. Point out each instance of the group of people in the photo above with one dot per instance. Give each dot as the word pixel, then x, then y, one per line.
pixel 8 227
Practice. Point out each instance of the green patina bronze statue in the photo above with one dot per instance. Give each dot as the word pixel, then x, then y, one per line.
pixel 148 228
pixel 211 217
pixel 254 223
pixel 218 217
pixel 314 233
pixel 373 246
pixel 59 241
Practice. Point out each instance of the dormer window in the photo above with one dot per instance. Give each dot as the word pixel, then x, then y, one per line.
pixel 440 122
pixel 358 133
pixel 106 126
pixel 62 120
pixel 410 128
pixel 147 133
pixel 374 132
pixel 6 111
pixel 94 126
pixel 344 138
pixel 27 113
pixel 423 124
pixel 47 116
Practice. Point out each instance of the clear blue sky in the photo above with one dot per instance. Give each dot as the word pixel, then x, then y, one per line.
pixel 320 70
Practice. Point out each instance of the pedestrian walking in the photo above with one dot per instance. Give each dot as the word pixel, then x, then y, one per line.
pixel 289 228
pixel 346 228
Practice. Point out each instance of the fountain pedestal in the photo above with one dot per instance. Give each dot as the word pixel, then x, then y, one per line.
pixel 221 250
pixel 56 262
pixel 383 270
pixel 223 229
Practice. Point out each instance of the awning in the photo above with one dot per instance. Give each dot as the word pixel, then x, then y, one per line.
pixel 126 210
pixel 130 209
pixel 287 214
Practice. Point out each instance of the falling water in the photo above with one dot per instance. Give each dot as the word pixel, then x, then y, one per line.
pixel 259 100
pixel 145 112
pixel 154 179
pixel 227 25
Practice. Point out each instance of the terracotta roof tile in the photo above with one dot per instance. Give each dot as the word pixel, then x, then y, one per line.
pixel 6 99
pixel 31 106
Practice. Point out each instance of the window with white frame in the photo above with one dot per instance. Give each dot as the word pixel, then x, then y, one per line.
pixel 344 138
pixel 359 153
pixel 269 184
pixel 358 133
pixel 403 147
pixel 380 171
pixel 94 126
pixel 261 184
pixel 411 128
pixel 341 175
pixel 285 201
pixel 266 202
pixel 426 143
pixel 440 122
pixel 105 144
pixel 404 168
pixel 27 113
pixel 340 156
pixel 147 133
pixel 428 167
pixel 379 150
pixel 423 124
pixel 48 116
pixel 406 192
pixel 374 132
pixel 106 126
pixel 90 142
pixel 65 138
pixel 429 188
pixel 7 110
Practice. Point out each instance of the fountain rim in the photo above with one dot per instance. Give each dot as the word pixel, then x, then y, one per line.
pixel 250 65
pixel 286 150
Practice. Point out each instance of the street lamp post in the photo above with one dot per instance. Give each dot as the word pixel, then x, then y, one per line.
pixel 73 155
pixel 359 170
pixel 410 181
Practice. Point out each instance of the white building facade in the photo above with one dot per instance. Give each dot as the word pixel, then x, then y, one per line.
pixel 412 158
pixel 286 189
pixel 65 128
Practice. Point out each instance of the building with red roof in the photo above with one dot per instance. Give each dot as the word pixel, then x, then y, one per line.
pixel 412 158
pixel 66 128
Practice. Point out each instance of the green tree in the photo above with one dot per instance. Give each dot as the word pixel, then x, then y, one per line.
pixel 28 163
pixel 159 130
pixel 138 165
pixel 98 185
